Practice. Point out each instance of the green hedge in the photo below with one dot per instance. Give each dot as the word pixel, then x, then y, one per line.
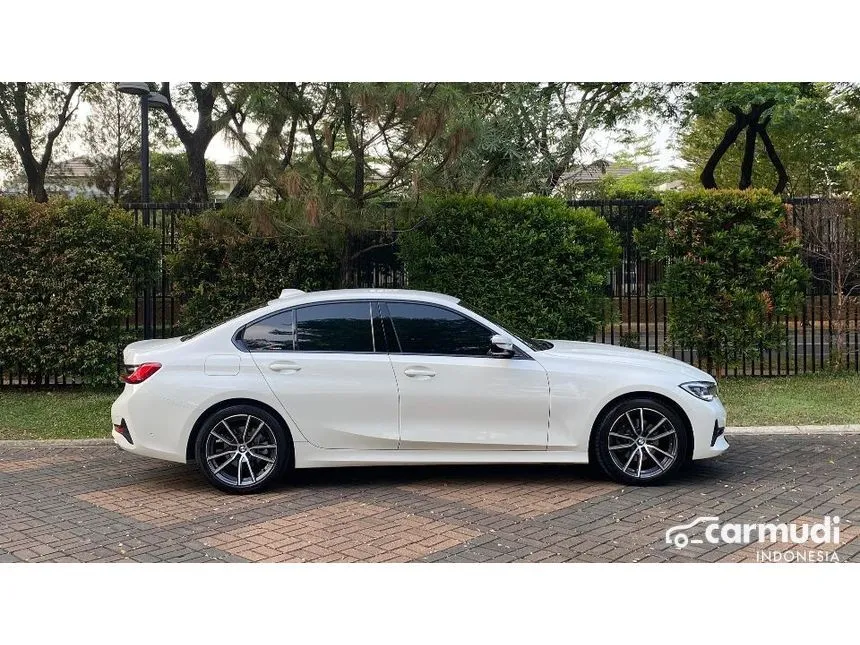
pixel 732 265
pixel 230 260
pixel 66 285
pixel 533 263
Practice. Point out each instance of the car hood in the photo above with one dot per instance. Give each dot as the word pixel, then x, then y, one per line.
pixel 621 356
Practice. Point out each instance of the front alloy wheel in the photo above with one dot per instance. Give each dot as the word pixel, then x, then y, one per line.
pixel 641 442
pixel 242 449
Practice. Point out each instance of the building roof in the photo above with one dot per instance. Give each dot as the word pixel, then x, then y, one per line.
pixel 594 172
pixel 75 168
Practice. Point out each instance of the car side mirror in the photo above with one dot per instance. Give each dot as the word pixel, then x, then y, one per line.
pixel 501 346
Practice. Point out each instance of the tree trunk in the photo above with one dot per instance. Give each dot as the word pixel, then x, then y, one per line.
pixel 35 178
pixel 782 180
pixel 36 185
pixel 731 134
pixel 749 152
pixel 196 154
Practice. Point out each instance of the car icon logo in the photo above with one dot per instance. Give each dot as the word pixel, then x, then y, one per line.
pixel 677 535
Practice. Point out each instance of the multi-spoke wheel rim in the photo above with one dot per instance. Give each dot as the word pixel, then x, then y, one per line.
pixel 241 450
pixel 643 443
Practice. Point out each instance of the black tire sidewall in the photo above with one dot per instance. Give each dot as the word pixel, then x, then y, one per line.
pixel 284 442
pixel 600 447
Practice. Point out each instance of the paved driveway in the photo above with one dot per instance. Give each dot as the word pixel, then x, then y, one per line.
pixel 96 503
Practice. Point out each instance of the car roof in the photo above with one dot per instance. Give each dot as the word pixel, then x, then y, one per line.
pixel 294 296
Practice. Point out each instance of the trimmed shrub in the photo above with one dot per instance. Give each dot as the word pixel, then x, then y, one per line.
pixel 234 259
pixel 533 263
pixel 732 265
pixel 67 284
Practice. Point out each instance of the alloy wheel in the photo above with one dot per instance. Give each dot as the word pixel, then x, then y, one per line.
pixel 241 450
pixel 643 443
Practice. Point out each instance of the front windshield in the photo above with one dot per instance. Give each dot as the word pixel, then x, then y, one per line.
pixel 533 343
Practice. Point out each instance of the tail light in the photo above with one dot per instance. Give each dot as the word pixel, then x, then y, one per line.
pixel 139 373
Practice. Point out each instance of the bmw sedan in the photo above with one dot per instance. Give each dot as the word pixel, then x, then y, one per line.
pixel 398 377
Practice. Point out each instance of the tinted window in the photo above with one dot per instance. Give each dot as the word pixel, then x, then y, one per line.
pixel 334 327
pixel 426 329
pixel 274 334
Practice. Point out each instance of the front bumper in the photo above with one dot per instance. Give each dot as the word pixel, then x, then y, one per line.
pixel 708 420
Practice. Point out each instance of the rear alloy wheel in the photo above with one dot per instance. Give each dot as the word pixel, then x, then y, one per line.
pixel 242 449
pixel 641 442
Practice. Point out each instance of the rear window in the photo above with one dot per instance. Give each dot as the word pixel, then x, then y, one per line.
pixel 273 334
pixel 326 327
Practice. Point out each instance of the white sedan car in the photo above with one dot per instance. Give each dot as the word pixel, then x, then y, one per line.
pixel 385 377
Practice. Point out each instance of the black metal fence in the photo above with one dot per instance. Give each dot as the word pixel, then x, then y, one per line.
pixel 637 316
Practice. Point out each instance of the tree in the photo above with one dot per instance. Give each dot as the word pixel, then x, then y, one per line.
pixel 751 106
pixel 817 136
pixel 831 232
pixel 367 140
pixel 214 107
pixel 33 117
pixel 112 139
pixel 524 137
pixel 271 107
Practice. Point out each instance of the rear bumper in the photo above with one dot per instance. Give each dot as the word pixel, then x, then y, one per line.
pixel 153 424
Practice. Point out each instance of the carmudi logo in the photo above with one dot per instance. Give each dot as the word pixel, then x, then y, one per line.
pixel 710 530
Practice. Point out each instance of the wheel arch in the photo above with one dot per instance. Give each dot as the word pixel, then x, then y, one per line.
pixel 226 403
pixel 662 398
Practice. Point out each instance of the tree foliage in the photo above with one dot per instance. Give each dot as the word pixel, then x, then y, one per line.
pixel 112 139
pixel 242 256
pixel 523 137
pixel 751 106
pixel 168 179
pixel 732 266
pixel 817 136
pixel 67 285
pixel 532 262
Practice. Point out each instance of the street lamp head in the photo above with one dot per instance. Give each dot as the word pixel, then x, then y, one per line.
pixel 157 100
pixel 138 89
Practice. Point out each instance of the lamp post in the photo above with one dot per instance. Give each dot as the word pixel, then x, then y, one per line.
pixel 147 99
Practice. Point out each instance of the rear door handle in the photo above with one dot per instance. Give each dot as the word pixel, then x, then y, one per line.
pixel 284 366
pixel 419 372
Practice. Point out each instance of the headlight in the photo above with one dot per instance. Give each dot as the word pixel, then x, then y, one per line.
pixel 705 390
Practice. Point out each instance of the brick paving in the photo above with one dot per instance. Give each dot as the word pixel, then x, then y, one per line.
pixel 71 503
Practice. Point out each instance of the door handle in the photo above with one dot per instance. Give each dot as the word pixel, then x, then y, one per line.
pixel 284 366
pixel 419 372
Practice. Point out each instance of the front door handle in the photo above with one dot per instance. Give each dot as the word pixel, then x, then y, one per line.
pixel 419 372
pixel 284 366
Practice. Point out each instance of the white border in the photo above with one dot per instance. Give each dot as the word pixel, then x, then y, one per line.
pixel 452 40
pixel 640 604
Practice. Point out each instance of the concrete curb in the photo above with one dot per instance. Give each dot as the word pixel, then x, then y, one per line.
pixel 853 428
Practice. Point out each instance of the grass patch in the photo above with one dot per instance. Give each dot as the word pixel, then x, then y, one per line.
pixel 811 399
pixel 793 400
pixel 55 414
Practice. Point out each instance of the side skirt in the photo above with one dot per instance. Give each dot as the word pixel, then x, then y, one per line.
pixel 309 456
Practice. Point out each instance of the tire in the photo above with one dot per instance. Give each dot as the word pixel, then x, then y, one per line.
pixel 630 456
pixel 243 449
